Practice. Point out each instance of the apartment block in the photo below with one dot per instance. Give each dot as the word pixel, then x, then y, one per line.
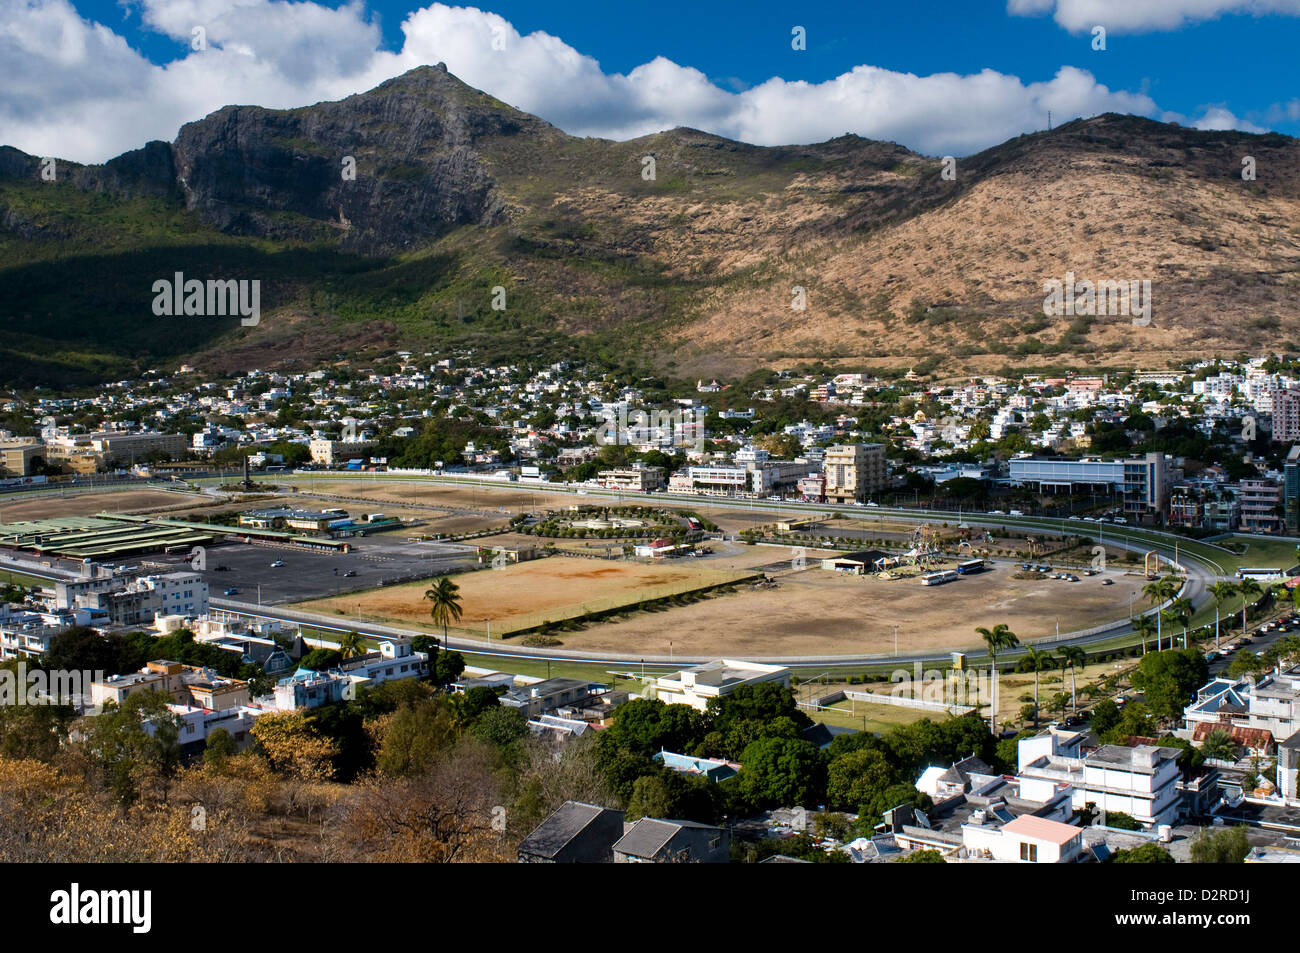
pixel 854 471
pixel 16 456
pixel 632 479
pixel 1286 415
pixel 331 452
pixel 1260 502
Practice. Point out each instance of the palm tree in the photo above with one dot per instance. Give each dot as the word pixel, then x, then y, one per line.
pixel 1052 660
pixel 445 596
pixel 352 644
pixel 1159 592
pixel 998 638
pixel 1180 612
pixel 1075 657
pixel 1218 744
pixel 1222 591
pixel 1036 660
pixel 1144 627
pixel 1248 589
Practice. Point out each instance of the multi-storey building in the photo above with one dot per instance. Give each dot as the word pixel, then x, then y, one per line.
pixel 1286 415
pixel 854 471
pixel 1140 781
pixel 1146 484
pixel 1260 501
pixel 331 452
pixel 1291 490
pixel 632 479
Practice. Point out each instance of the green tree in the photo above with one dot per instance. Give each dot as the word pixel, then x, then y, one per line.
pixel 923 857
pixel 321 660
pixel 996 639
pixel 416 735
pixel 1035 660
pixel 219 747
pixel 1158 592
pixel 1222 592
pixel 1169 679
pixel 445 607
pixel 1218 744
pixel 1146 854
pixel 1227 846
pixel 858 777
pixel 500 726
pixel 130 755
pixel 782 772
pixel 1145 627
pixel 352 645
pixel 1105 717
pixel 1074 657
pixel 448 667
pixel 650 798
pixel 478 700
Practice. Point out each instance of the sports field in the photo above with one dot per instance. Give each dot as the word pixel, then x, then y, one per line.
pixel 527 594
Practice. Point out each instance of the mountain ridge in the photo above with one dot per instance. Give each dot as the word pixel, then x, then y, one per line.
pixel 692 269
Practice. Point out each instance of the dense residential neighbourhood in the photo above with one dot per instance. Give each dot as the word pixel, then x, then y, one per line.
pixel 1205 450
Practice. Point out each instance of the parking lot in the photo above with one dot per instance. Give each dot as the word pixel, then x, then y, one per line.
pixel 307 574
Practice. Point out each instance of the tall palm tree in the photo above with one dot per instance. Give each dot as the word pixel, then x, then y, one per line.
pixel 1036 659
pixel 1144 627
pixel 352 645
pixel 1222 591
pixel 998 638
pixel 1075 657
pixel 1160 591
pixel 1052 660
pixel 1248 589
pixel 445 608
pixel 1180 613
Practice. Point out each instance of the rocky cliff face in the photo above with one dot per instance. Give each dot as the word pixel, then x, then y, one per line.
pixel 397 166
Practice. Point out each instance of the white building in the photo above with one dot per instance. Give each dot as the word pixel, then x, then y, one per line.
pixel 1026 839
pixel 1141 781
pixel 695 686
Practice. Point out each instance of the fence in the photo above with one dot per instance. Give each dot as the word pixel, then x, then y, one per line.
pixel 900 701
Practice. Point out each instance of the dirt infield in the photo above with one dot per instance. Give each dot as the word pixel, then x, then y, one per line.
pixel 817 612
pixel 505 499
pixel 50 505
pixel 526 594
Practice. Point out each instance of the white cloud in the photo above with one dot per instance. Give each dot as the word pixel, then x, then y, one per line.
pixel 1219 117
pixel 1143 16
pixel 75 89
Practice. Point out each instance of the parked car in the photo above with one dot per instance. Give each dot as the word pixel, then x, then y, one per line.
pixel 277 564
pixel 1108 582
pixel 223 568
pixel 350 573
pixel 232 591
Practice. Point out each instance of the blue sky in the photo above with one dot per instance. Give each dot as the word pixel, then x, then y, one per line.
pixel 86 79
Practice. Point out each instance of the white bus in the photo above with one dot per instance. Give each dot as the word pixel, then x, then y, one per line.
pixel 939 578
